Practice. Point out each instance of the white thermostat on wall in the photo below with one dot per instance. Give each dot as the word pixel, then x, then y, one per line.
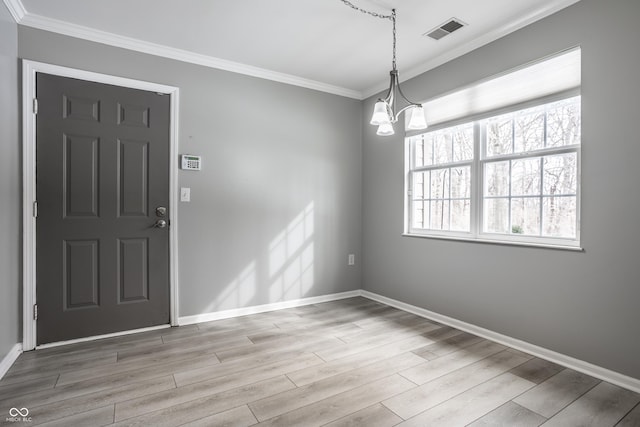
pixel 191 163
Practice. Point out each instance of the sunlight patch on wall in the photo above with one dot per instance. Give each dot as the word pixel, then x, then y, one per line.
pixel 239 292
pixel 291 256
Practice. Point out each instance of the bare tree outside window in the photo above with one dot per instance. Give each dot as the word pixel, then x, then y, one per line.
pixel 528 172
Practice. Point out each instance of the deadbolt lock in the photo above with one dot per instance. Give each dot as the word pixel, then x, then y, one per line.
pixel 161 211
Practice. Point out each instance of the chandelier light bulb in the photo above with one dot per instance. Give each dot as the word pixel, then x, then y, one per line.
pixel 417 120
pixel 380 114
pixel 385 129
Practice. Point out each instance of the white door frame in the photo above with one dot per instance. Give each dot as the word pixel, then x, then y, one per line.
pixel 29 210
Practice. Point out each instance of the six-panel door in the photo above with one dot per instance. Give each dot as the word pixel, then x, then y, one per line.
pixel 102 172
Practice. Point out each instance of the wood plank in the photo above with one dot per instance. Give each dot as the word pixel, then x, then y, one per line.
pixel 303 330
pixel 307 343
pixel 197 409
pixel 417 400
pixel 236 417
pixel 179 348
pixel 90 401
pixel 508 415
pixel 453 344
pixel 135 407
pixel 61 366
pixel 105 344
pixel 96 418
pixel 150 363
pixel 354 361
pixel 343 404
pixel 26 387
pixel 537 370
pixel 368 343
pixel 233 323
pixel 396 316
pixel 37 369
pixel 433 369
pixel 91 385
pixel 420 327
pixel 191 376
pixel 212 333
pixel 632 419
pixel 314 392
pixel 472 404
pixel 53 362
pixel 603 405
pixel 551 396
pixel 373 416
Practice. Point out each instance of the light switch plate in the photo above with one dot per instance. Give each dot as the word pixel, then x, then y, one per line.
pixel 185 194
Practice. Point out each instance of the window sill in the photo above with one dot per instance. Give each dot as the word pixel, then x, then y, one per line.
pixel 497 242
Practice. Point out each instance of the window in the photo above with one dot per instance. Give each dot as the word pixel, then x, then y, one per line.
pixel 513 177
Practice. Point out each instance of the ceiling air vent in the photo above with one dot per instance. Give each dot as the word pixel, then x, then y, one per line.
pixel 445 29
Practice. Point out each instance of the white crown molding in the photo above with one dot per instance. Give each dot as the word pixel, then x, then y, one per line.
pixel 486 38
pixel 608 375
pixel 73 30
pixel 111 39
pixel 16 9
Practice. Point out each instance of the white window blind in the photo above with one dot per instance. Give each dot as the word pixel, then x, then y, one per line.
pixel 549 76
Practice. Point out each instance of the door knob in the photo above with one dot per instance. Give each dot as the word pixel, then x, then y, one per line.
pixel 161 223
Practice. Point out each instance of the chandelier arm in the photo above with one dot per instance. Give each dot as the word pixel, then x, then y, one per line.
pixel 406 108
pixel 390 97
pixel 405 98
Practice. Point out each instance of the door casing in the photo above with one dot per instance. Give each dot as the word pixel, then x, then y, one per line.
pixel 29 211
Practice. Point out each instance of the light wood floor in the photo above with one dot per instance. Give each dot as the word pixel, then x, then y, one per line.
pixel 352 362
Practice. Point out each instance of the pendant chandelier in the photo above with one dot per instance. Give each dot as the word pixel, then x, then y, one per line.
pixel 384 111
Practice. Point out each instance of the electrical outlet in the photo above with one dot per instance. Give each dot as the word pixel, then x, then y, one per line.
pixel 352 259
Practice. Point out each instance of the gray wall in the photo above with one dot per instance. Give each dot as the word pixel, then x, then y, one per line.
pixel 581 304
pixel 273 155
pixel 10 185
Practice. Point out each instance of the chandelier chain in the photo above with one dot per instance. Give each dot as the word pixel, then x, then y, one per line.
pixel 377 15
pixel 391 17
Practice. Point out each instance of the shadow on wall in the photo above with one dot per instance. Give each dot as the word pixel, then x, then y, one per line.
pixel 291 273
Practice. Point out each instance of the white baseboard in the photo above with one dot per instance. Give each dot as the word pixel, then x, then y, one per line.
pixel 604 374
pixel 225 314
pixel 8 360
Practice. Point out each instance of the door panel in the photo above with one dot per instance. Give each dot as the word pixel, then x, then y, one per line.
pixel 133 166
pixel 102 170
pixel 81 179
pixel 133 270
pixel 80 274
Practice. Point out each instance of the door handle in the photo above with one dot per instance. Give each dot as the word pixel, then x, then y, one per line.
pixel 161 223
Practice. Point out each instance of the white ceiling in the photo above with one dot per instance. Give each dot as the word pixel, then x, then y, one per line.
pixel 316 43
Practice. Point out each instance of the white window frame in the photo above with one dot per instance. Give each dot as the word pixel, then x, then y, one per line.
pixel 476 233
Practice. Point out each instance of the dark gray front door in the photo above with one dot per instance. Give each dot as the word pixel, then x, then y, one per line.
pixel 102 172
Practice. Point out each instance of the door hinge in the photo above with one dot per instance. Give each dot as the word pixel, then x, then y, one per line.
pixel 35 311
pixel 35 105
pixel 35 209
